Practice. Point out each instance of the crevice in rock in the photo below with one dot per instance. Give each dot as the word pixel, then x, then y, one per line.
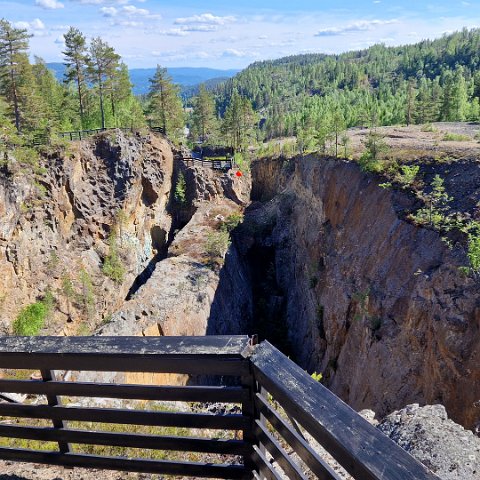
pixel 269 301
pixel 161 243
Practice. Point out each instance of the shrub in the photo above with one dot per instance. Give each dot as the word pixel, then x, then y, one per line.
pixel 428 127
pixel 437 202
pixel 112 265
pixel 232 222
pixel 407 174
pixel 474 252
pixel 375 148
pixel 86 297
pixel 31 319
pixel 181 189
pixel 217 244
pixel 455 137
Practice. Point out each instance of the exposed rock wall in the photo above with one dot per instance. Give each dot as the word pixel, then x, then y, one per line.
pixel 375 303
pixel 188 293
pixel 54 225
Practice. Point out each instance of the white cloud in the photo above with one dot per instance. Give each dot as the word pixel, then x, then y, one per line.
pixel 199 28
pixel 104 2
pixel 132 11
pixel 60 40
pixel 233 52
pixel 360 26
pixel 36 27
pixel 205 19
pixel 49 4
pixel 174 32
pixel 129 11
pixel 109 11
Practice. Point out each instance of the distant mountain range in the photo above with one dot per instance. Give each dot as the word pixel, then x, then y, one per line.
pixel 186 77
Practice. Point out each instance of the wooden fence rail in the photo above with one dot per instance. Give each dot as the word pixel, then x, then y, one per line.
pixel 42 139
pixel 273 409
pixel 224 164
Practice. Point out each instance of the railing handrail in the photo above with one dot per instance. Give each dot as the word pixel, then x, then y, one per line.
pixel 279 402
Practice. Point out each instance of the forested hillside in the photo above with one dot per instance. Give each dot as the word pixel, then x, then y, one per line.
pixel 95 91
pixel 303 95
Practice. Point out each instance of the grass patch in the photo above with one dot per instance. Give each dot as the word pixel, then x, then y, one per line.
pixel 456 137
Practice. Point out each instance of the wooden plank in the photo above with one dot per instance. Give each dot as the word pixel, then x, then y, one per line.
pixel 208 346
pixel 190 355
pixel 263 465
pixel 138 392
pixel 316 464
pixel 153 442
pixel 125 363
pixel 127 417
pixel 357 445
pixel 194 469
pixel 53 401
pixel 278 453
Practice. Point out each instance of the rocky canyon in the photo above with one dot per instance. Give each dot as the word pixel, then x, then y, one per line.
pixel 320 260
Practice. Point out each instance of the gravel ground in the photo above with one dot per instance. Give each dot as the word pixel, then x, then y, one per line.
pixel 413 141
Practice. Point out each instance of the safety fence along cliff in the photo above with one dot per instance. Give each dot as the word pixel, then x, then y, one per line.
pixel 244 411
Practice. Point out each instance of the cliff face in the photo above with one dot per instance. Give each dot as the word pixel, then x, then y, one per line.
pixel 375 303
pixel 55 224
pixel 188 292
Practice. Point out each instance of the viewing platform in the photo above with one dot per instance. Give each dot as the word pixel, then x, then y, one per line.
pixel 274 411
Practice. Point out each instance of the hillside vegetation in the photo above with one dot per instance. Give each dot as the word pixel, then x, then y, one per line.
pixel 311 95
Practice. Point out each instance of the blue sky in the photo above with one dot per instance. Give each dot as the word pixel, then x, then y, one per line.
pixel 233 34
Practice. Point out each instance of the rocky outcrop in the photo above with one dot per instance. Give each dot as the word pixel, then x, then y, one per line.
pixel 56 219
pixel 374 302
pixel 446 448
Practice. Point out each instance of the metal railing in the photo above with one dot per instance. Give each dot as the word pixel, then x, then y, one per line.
pixel 273 404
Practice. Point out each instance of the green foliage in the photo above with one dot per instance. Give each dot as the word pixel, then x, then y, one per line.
pixel 436 201
pixel 181 189
pixel 456 137
pixel 428 127
pixel 113 266
pixel 375 148
pixel 86 297
pixel 164 104
pixel 474 251
pixel 238 122
pixel 317 376
pixel 32 318
pixel 407 174
pixel 204 125
pixel 217 245
pixel 232 222
pixel 427 82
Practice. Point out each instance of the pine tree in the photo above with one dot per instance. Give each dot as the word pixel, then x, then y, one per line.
pixel 338 126
pixel 411 97
pixel 460 95
pixel 76 61
pixel 204 119
pixel 238 122
pixel 120 87
pixel 165 105
pixel 13 56
pixel 102 69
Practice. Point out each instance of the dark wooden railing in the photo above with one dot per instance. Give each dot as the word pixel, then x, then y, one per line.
pixel 224 164
pixel 42 139
pixel 277 410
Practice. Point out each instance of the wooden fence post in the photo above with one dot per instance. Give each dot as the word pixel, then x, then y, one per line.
pixel 54 401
